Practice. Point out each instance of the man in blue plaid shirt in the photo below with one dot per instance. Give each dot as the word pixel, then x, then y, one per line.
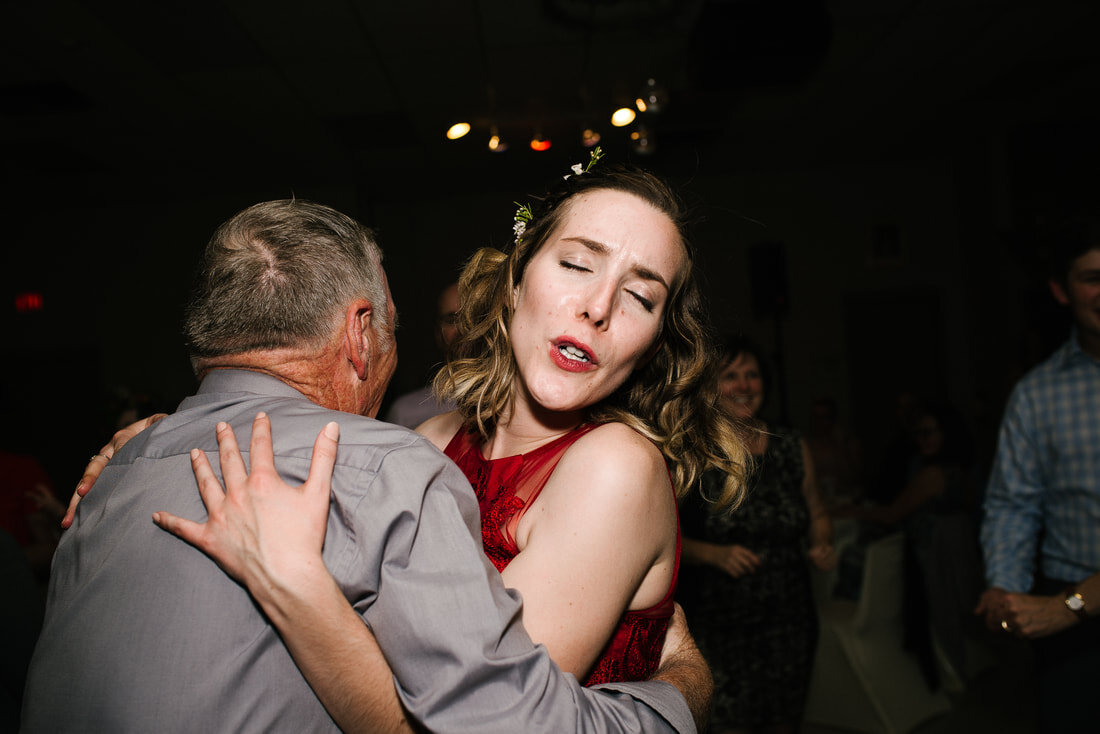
pixel 1041 531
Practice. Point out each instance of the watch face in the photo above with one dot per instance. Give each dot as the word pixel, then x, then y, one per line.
pixel 1075 602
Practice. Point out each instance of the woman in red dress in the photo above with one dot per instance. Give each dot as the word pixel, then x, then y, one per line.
pixel 578 374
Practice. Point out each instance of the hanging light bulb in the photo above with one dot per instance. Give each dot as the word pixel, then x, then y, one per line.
pixel 622 117
pixel 495 143
pixel 642 140
pixel 653 97
pixel 590 137
pixel 540 143
pixel 457 130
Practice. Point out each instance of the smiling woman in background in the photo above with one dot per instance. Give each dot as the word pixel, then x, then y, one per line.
pixel 747 591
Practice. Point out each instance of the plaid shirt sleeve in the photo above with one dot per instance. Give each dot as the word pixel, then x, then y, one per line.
pixel 1013 501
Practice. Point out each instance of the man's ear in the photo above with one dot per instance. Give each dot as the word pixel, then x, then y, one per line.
pixel 1059 292
pixel 358 335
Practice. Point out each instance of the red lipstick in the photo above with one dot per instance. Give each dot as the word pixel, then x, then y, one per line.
pixel 572 355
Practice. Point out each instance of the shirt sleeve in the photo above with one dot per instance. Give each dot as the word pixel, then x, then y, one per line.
pixel 1013 501
pixel 452 633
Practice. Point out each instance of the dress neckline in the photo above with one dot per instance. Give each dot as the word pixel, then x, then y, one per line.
pixel 549 445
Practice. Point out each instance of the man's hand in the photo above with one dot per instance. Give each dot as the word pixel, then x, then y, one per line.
pixel 1031 616
pixel 683 666
pixel 991 608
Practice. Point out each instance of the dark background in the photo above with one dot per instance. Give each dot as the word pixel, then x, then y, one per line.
pixel 869 176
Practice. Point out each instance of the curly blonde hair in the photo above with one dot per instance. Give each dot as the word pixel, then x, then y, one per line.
pixel 672 400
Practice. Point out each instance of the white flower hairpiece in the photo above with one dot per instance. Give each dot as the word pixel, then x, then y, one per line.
pixel 579 168
pixel 524 216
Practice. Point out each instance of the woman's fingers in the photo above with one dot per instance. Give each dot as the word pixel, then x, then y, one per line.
pixel 259 528
pixel 748 558
pixel 324 458
pixel 210 489
pixel 98 461
pixel 184 529
pixel 70 513
pixel 91 473
pixel 229 455
pixel 261 456
pixel 740 561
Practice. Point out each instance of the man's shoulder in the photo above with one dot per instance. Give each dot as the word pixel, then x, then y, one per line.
pixel 363 440
pixel 414 397
pixel 413 408
pixel 1065 368
pixel 295 424
pixel 1049 366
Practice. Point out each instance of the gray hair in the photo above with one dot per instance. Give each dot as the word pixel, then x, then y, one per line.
pixel 280 274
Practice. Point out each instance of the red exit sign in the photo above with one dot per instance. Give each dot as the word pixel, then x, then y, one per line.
pixel 26 302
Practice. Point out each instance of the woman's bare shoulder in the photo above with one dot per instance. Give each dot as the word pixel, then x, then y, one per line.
pixel 616 451
pixel 441 429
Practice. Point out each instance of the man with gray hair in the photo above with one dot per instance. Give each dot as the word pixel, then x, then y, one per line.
pixel 292 318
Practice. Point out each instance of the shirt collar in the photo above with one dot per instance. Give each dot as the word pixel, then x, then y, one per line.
pixel 238 380
pixel 1071 352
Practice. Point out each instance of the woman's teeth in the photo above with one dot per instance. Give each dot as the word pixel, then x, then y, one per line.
pixel 572 352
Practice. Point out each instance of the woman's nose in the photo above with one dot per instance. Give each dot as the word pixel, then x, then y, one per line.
pixel 598 305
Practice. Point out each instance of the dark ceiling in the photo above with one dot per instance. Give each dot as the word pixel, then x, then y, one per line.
pixel 161 98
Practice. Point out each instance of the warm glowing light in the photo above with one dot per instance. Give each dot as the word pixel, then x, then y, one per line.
pixel 457 130
pixel 589 137
pixel 653 98
pixel 540 143
pixel 497 145
pixel 622 117
pixel 642 141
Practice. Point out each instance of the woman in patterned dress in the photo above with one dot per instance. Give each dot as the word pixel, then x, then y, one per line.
pixel 746 584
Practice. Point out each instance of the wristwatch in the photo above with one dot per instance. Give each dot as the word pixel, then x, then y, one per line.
pixel 1075 603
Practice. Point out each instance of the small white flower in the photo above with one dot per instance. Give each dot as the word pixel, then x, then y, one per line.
pixel 519 228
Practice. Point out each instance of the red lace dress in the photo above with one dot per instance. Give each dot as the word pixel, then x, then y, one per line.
pixel 505 488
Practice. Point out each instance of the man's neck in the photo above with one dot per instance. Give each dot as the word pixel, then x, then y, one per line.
pixel 1089 343
pixel 309 374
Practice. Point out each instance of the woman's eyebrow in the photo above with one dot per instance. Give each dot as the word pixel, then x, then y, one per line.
pixel 601 249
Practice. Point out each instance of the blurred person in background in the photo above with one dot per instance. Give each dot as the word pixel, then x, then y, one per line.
pixel 746 586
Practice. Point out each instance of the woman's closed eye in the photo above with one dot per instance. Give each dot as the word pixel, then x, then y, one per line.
pixel 647 304
pixel 574 266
